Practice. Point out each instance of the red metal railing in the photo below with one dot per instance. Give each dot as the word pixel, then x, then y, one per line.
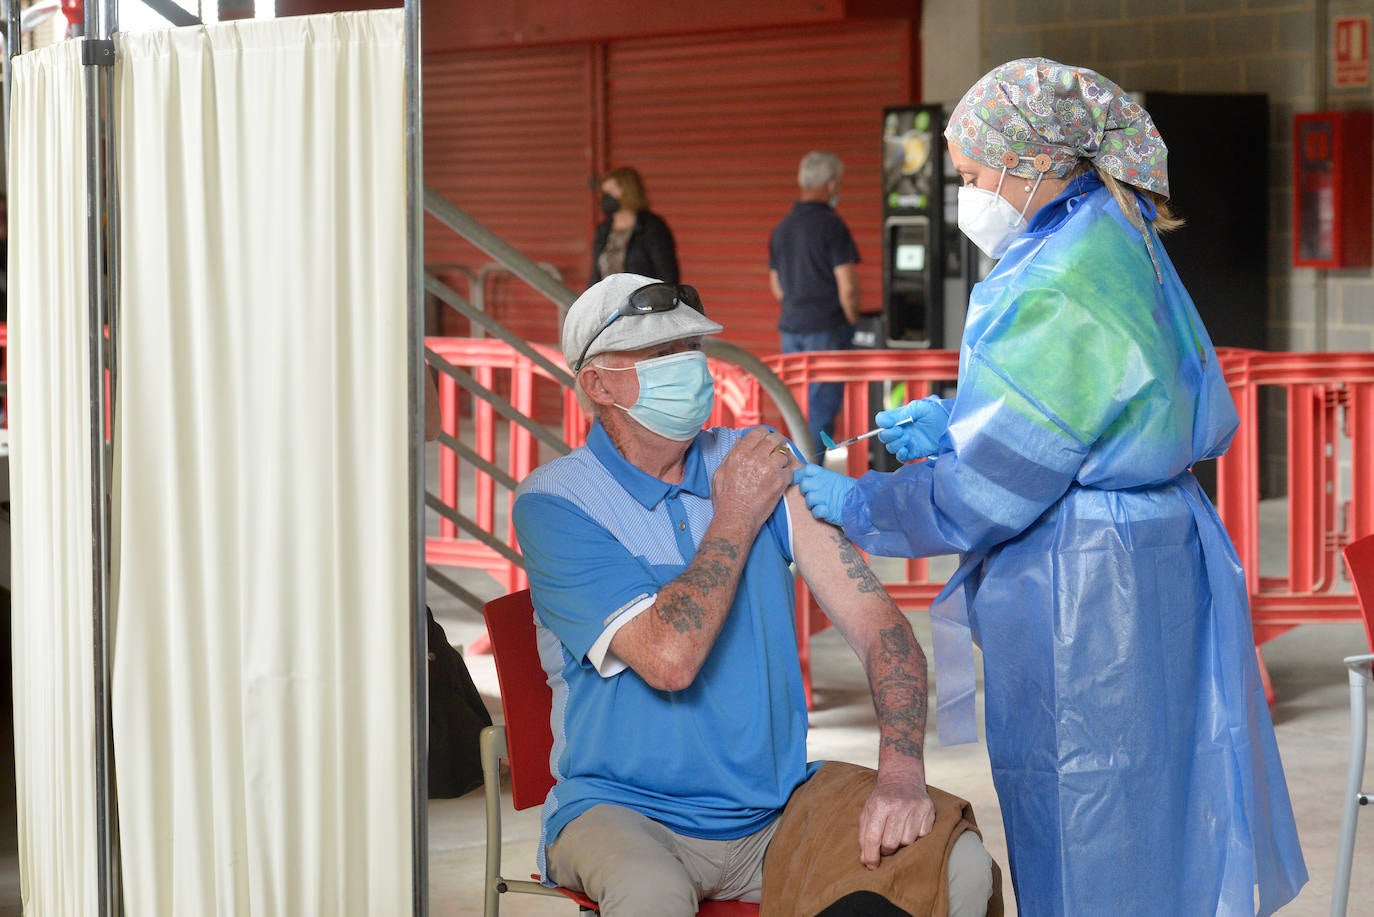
pixel 1329 451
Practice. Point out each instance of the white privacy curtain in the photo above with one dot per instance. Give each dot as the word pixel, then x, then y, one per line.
pixel 50 484
pixel 261 677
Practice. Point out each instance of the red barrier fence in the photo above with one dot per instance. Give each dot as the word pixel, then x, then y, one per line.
pixel 468 481
pixel 1328 415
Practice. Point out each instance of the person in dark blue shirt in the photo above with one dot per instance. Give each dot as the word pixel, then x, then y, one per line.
pixel 811 260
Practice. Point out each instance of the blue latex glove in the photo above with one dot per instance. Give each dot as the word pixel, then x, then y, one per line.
pixel 824 492
pixel 922 423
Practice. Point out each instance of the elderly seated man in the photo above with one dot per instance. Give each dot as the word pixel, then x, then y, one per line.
pixel 659 557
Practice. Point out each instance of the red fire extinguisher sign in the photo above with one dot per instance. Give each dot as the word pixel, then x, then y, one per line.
pixel 1350 48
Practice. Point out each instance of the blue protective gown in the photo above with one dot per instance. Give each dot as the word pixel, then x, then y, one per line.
pixel 1130 741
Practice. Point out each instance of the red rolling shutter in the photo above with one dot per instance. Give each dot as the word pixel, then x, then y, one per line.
pixel 717 125
pixel 507 138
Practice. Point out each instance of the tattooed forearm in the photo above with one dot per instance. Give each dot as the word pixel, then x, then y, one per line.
pixel 712 568
pixel 897 643
pixel 681 613
pixel 901 719
pixel 906 747
pixel 899 691
pixel 854 565
pixel 722 546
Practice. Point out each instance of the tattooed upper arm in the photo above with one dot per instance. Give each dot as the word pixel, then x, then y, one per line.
pixel 855 567
pixel 861 609
pixel 836 571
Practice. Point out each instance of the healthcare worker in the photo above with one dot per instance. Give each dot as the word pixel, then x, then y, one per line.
pixel 1131 745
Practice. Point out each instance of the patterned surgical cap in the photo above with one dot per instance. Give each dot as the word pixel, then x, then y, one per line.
pixel 1049 116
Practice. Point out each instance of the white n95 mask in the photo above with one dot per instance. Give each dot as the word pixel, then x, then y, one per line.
pixel 989 221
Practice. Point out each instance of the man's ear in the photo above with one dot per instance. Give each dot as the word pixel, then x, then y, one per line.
pixel 593 382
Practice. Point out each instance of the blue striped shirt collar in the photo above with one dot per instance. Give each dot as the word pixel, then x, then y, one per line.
pixel 648 490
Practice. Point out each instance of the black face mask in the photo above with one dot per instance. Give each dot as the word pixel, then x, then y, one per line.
pixel 609 203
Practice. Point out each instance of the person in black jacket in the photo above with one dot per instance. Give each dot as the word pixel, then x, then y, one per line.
pixel 632 238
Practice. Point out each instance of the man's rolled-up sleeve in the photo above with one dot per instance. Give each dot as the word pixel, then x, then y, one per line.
pixel 585 584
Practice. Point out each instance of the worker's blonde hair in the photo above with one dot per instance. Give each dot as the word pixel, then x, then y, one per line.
pixel 1165 220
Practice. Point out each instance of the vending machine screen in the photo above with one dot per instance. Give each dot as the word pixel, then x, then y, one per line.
pixel 910 258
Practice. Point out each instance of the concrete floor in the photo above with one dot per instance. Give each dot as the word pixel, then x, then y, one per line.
pixel 1311 718
pixel 1311 715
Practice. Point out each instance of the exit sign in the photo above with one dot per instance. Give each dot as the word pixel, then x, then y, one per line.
pixel 1350 50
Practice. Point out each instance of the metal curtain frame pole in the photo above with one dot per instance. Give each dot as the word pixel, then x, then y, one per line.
pixel 415 365
pixel 97 57
pixel 14 41
pixel 111 11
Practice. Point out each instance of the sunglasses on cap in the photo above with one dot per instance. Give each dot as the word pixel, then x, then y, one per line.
pixel 653 297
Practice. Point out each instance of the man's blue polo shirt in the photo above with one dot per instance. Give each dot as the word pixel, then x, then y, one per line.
pixel 718 759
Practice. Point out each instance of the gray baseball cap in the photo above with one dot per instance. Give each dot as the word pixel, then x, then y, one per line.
pixel 588 314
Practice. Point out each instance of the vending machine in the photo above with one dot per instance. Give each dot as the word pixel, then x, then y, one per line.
pixel 915 260
pixel 913 227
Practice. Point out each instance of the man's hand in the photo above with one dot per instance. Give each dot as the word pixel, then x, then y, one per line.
pixel 896 814
pixel 753 476
pixel 667 648
pixel 775 285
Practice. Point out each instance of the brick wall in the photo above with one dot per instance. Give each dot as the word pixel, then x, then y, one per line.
pixel 1278 47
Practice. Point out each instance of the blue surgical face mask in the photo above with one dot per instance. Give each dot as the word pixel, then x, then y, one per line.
pixel 676 394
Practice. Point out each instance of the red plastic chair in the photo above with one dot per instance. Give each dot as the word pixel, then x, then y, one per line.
pixel 1359 562
pixel 526 741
